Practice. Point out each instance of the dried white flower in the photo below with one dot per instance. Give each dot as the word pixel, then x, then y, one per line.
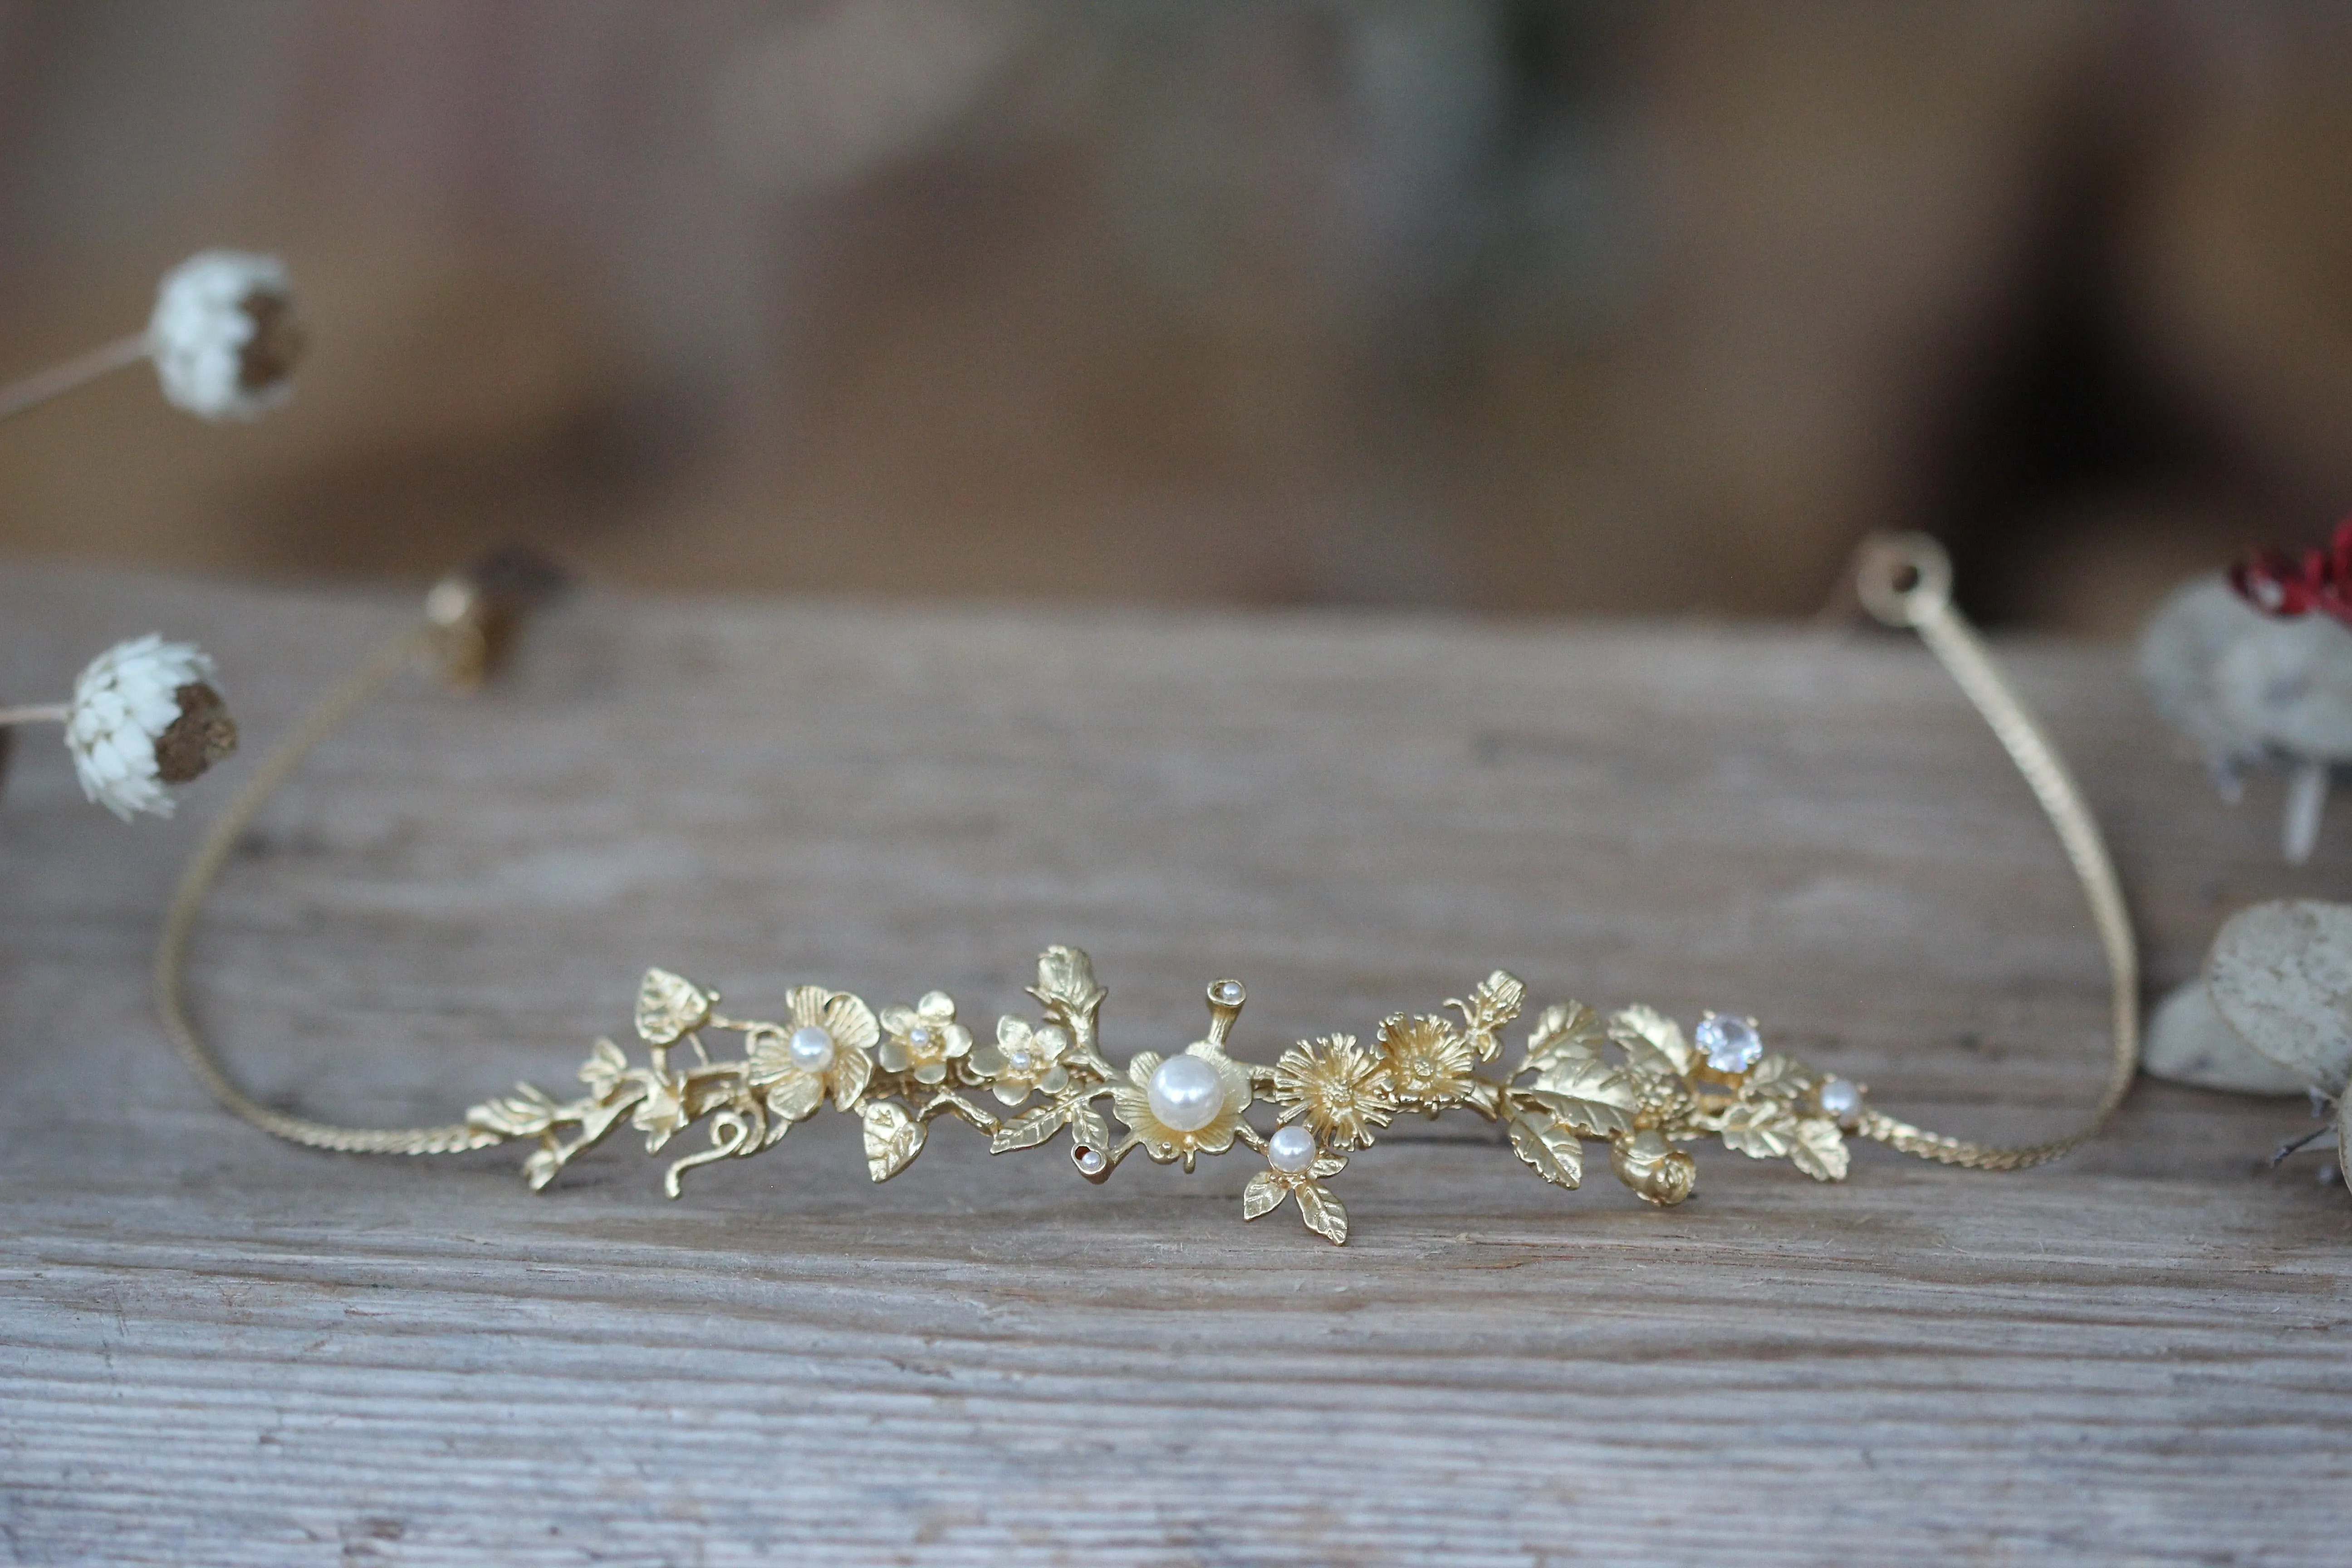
pixel 2248 688
pixel 144 715
pixel 224 336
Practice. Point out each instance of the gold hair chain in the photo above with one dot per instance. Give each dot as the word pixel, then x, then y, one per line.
pixel 1631 1079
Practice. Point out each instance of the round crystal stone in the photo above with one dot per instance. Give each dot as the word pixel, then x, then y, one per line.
pixel 1186 1093
pixel 1732 1045
pixel 1291 1149
pixel 1841 1101
pixel 811 1048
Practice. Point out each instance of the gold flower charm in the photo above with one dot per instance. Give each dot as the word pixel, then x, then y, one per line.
pixel 1339 1087
pixel 1184 1106
pixel 924 1038
pixel 823 1050
pixel 1428 1064
pixel 1023 1059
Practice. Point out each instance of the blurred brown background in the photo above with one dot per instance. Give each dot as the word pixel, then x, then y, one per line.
pixel 1510 306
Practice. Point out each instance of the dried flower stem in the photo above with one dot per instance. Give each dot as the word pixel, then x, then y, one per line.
pixel 59 379
pixel 36 713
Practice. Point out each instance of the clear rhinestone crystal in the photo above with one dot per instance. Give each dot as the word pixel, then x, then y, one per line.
pixel 1732 1045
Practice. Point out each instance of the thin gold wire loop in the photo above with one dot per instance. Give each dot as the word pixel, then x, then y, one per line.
pixel 1904 580
pixel 421 641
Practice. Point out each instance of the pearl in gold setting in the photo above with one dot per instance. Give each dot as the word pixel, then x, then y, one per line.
pixel 1186 1094
pixel 811 1048
pixel 1291 1149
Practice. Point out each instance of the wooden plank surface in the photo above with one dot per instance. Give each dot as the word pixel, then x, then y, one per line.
pixel 216 1348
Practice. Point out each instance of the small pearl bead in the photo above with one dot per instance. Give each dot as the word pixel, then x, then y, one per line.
pixel 1186 1093
pixel 1018 1059
pixel 919 1037
pixel 1227 993
pixel 1090 1160
pixel 812 1048
pixel 1841 1101
pixel 1291 1149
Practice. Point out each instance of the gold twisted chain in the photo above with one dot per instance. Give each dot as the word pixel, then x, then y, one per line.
pixel 1779 1108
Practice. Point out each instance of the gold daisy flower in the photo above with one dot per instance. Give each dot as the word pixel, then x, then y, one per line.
pixel 924 1038
pixel 1342 1089
pixel 1023 1059
pixel 1183 1106
pixel 821 1051
pixel 1428 1063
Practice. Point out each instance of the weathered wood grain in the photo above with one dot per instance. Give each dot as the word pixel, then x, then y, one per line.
pixel 215 1347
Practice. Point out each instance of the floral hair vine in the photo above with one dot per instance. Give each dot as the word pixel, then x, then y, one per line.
pixel 1631 1080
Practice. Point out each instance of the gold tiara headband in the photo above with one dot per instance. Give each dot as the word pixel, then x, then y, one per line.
pixel 1631 1079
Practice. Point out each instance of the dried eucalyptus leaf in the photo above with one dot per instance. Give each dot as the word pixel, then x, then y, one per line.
pixel 2343 1140
pixel 2281 976
pixel 2190 1042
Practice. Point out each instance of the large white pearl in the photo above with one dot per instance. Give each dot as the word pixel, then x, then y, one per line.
pixel 1291 1149
pixel 1186 1094
pixel 811 1047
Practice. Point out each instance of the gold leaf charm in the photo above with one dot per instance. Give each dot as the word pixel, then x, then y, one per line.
pixel 1652 1041
pixel 1565 1031
pixel 1594 1099
pixel 893 1139
pixel 1761 1129
pixel 1029 1128
pixel 1262 1195
pixel 1550 1151
pixel 1819 1150
pixel 522 1114
pixel 670 1007
pixel 1322 1212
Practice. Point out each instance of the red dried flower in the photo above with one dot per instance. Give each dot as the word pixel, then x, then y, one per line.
pixel 2277 584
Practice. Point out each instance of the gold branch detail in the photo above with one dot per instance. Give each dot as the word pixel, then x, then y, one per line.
pixel 1631 1080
